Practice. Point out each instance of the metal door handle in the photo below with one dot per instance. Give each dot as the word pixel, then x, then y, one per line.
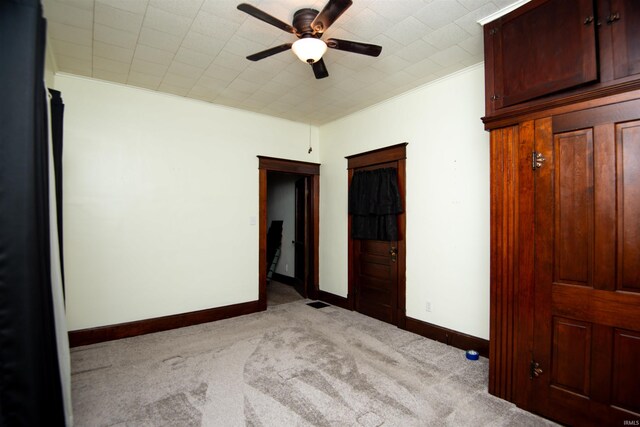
pixel 394 253
pixel 613 18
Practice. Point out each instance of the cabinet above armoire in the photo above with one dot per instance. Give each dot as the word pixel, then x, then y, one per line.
pixel 553 52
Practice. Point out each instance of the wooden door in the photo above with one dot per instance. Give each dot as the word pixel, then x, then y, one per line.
pixel 586 349
pixel 377 268
pixel 300 239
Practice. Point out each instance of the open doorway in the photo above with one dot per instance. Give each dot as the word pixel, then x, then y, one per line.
pixel 287 234
pixel 289 205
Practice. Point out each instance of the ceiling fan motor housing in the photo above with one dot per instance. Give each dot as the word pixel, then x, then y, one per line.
pixel 302 20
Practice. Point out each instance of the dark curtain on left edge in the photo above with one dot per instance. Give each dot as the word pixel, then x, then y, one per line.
pixel 57 121
pixel 30 385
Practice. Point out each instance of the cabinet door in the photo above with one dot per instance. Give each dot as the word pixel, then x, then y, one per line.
pixel 624 19
pixel 544 47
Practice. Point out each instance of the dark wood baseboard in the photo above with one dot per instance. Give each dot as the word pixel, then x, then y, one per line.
pixel 334 299
pixel 287 280
pixel 157 324
pixel 448 336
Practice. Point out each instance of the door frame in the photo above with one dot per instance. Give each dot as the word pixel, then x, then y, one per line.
pixel 303 169
pixel 394 153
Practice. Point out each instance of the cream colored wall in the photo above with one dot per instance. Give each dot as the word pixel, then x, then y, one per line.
pixel 160 193
pixel 447 197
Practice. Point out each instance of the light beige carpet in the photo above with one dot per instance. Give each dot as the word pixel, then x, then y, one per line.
pixel 279 293
pixel 292 365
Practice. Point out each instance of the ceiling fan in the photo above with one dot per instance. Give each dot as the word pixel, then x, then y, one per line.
pixel 308 26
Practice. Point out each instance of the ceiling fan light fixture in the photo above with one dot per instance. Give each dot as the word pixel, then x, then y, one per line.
pixel 309 49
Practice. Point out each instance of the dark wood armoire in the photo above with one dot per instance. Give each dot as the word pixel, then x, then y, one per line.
pixel 563 109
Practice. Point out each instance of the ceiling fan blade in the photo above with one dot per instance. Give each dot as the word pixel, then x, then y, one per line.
pixel 355 47
pixel 319 69
pixel 272 51
pixel 327 16
pixel 257 13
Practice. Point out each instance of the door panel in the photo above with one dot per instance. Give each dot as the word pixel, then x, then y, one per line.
pixel 574 205
pixel 626 388
pixel 572 355
pixel 371 268
pixel 628 138
pixel 587 326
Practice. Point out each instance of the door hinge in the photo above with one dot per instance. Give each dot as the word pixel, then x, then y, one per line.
pixel 534 369
pixel 537 159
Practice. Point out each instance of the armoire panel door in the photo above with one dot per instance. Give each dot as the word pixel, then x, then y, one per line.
pixel 624 20
pixel 587 276
pixel 542 48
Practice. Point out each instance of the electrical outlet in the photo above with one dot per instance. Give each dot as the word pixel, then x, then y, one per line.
pixel 428 306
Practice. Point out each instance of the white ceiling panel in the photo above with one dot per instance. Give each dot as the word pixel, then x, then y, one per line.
pixel 111 65
pixel 191 57
pixel 198 49
pixel 112 76
pixel 178 80
pixel 152 54
pixel 450 56
pixel 118 19
pixel 110 51
pixel 135 6
pixel 417 49
pixel 185 70
pixel 441 12
pixel 73 50
pixel 70 14
pixel 82 4
pixel 203 44
pixel 69 33
pixel 81 67
pixel 159 39
pixel 186 8
pixel 469 21
pixel 447 36
pixel 166 22
pixel 143 80
pixel 110 35
pixel 151 68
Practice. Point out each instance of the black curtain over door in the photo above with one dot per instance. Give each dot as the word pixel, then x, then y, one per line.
pixel 30 385
pixel 57 116
pixel 374 204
